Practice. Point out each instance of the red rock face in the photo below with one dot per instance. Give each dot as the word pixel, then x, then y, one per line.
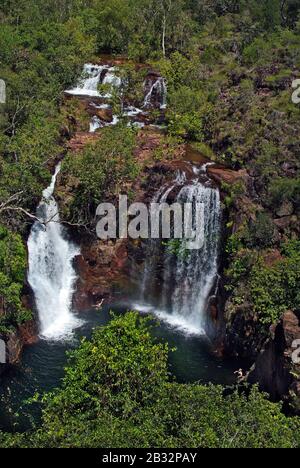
pixel 101 266
pixel 274 369
pixel 228 176
pixel 28 332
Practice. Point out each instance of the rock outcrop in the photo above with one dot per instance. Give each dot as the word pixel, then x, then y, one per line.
pixel 228 176
pixel 104 267
pixel 277 367
pixel 26 334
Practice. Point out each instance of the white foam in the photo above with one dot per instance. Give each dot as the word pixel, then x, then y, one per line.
pixel 174 320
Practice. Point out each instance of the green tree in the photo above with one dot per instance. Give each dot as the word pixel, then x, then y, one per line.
pixel 12 276
pixel 117 393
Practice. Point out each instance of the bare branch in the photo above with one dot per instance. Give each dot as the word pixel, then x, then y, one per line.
pixel 13 124
pixel 283 5
pixel 11 199
pixel 21 210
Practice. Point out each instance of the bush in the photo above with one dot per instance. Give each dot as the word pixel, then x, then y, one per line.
pixel 117 393
pixel 12 276
pixel 260 232
pixel 285 189
pixel 275 289
pixel 99 170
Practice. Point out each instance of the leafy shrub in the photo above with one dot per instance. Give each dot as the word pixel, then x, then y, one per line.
pixel 12 275
pixel 275 289
pixel 100 169
pixel 260 232
pixel 117 393
pixel 285 189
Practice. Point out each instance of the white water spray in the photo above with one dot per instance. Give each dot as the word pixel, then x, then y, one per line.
pixel 186 279
pixel 159 87
pixel 89 82
pixel 51 273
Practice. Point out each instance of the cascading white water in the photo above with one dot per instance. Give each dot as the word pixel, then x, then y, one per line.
pixel 51 274
pixel 92 77
pixel 89 82
pixel 187 278
pixel 88 86
pixel 112 79
pixel 95 124
pixel 160 87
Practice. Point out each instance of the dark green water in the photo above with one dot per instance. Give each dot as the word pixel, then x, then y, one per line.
pixel 42 367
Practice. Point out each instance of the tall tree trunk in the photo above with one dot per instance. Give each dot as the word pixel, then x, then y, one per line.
pixel 282 7
pixel 164 26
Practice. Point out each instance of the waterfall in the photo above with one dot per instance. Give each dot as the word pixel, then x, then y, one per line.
pixel 112 79
pixel 95 124
pixel 95 75
pixel 51 274
pixel 92 77
pixel 185 279
pixel 189 277
pixel 159 87
pixel 89 82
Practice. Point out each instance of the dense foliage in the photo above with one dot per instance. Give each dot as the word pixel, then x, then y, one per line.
pixel 12 276
pixel 270 286
pixel 117 393
pixel 99 169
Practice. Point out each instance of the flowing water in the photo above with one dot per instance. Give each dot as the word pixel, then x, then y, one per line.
pixel 158 89
pixel 51 273
pixel 95 75
pixel 175 288
pixel 89 82
pixel 187 278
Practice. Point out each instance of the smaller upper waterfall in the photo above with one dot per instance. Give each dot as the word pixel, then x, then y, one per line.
pixel 159 88
pixel 92 77
pixel 51 273
pixel 89 82
pixel 88 88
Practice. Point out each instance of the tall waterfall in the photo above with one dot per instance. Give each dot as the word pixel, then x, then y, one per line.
pixel 51 273
pixel 185 279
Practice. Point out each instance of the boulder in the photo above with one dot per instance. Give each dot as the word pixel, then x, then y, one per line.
pixel 105 115
pixel 285 209
pixel 228 176
pixel 275 370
